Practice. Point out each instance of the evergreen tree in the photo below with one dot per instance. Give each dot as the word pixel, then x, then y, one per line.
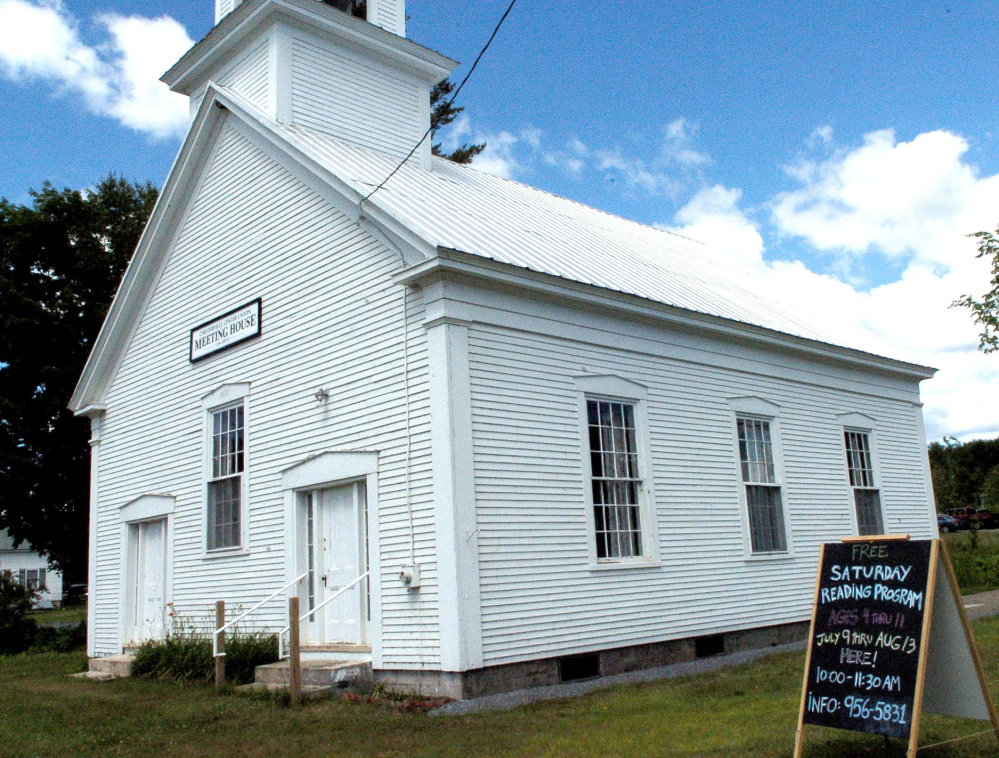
pixel 61 259
pixel 442 113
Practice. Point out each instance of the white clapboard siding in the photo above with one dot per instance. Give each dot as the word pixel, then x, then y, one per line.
pixel 331 318
pixel 352 98
pixel 539 596
pixel 249 76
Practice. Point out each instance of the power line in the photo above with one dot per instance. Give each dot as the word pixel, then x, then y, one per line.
pixel 449 102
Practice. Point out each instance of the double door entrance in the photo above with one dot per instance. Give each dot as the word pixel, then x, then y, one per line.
pixel 334 551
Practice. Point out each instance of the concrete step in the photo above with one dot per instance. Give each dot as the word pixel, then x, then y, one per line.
pixel 119 666
pixel 96 676
pixel 309 691
pixel 319 673
pixel 341 651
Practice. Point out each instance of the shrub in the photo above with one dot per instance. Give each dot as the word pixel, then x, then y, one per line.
pixel 62 639
pixel 180 657
pixel 976 564
pixel 187 656
pixel 17 631
pixel 244 652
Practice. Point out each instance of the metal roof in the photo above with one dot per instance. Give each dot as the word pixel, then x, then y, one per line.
pixel 456 206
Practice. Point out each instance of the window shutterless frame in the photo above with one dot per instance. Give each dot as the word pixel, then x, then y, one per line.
pixel 758 457
pixel 617 483
pixel 863 480
pixel 221 461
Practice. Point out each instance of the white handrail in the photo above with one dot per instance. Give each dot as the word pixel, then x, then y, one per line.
pixel 311 611
pixel 215 635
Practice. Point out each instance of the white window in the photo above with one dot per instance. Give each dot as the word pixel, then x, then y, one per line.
pixel 866 495
pixel 33 579
pixel 616 480
pixel 760 477
pixel 225 477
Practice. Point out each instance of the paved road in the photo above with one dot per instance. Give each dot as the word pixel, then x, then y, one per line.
pixel 977 606
pixel 983 604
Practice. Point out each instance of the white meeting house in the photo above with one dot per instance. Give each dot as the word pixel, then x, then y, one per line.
pixel 532 440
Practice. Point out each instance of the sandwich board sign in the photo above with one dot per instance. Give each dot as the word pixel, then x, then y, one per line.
pixel 889 639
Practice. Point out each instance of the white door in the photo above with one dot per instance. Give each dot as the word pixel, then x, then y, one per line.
pixel 336 555
pixel 149 580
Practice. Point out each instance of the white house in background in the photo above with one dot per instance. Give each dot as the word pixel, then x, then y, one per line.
pixel 557 442
pixel 31 569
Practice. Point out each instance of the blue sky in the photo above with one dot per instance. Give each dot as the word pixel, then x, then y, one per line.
pixel 839 152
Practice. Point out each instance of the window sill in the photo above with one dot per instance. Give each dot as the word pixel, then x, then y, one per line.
pixel 624 565
pixel 225 553
pixel 765 557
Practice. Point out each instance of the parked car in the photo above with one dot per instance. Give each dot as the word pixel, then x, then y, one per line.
pixel 963 516
pixel 947 523
pixel 988 519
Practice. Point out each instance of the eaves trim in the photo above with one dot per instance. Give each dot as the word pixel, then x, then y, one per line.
pixel 451 262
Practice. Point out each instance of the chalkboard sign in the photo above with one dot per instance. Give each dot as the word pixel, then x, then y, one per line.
pixel 867 636
pixel 889 638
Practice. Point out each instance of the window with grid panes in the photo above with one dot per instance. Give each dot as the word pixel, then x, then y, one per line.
pixel 225 483
pixel 866 496
pixel 32 578
pixel 616 479
pixel 763 490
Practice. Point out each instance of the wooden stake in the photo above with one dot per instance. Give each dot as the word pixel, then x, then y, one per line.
pixel 799 734
pixel 220 659
pixel 924 648
pixel 295 653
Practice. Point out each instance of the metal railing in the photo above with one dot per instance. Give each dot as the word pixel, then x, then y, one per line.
pixel 319 607
pixel 215 635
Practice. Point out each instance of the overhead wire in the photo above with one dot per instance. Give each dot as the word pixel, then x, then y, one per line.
pixel 453 97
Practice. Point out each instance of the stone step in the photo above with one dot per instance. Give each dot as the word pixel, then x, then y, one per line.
pixel 309 691
pixel 119 666
pixel 319 673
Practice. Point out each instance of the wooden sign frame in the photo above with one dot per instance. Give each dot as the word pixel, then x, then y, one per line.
pixel 939 558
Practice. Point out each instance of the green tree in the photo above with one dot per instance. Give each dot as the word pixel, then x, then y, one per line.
pixel 985 312
pixel 442 113
pixel 959 470
pixel 990 488
pixel 61 259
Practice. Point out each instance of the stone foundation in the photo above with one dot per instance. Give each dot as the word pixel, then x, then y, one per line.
pixel 544 672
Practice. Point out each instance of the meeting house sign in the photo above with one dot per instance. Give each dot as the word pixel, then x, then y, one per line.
pixel 238 325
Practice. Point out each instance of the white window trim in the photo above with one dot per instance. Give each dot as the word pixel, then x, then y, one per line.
pixel 617 389
pixel 751 407
pixel 859 423
pixel 226 395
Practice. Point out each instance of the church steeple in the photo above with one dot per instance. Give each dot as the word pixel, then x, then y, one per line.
pixel 308 63
pixel 388 14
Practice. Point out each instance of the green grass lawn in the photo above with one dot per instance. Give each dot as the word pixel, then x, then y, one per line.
pixel 72 615
pixel 744 712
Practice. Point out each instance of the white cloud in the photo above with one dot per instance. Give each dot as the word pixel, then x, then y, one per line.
pixel 636 173
pixel 915 201
pixel 676 145
pixel 117 78
pixel 713 217
pixel 897 198
pixel 668 169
